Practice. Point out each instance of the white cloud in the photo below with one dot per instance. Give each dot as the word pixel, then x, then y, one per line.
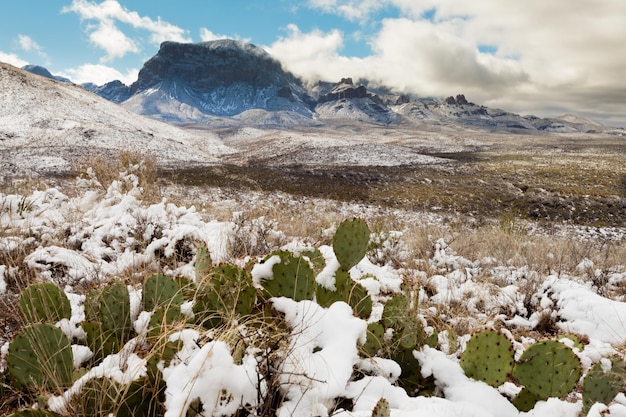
pixel 207 35
pixel 12 59
pixel 107 35
pixel 99 74
pixel 314 55
pixel 27 44
pixel 554 51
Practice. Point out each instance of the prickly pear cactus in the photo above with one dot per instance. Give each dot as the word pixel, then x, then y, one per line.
pixel 108 324
pixel 44 303
pixel 602 387
pixel 225 292
pixel 203 261
pixel 488 357
pixel 161 291
pixel 293 278
pixel 548 369
pixel 360 301
pixel 375 339
pixel 40 357
pixel 350 242
pixel 381 409
pixel 525 400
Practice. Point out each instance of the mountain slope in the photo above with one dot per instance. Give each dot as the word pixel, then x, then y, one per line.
pixel 49 125
pixel 191 82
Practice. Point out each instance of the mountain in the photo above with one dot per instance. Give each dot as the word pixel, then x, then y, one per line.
pixel 228 83
pixel 47 125
pixel 39 70
pixel 192 82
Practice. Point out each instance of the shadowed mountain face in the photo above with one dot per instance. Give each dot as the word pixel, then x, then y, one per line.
pixel 219 78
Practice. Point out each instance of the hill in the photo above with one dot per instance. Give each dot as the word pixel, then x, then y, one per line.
pixel 49 125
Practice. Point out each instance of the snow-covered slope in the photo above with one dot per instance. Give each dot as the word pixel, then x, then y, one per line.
pixel 46 124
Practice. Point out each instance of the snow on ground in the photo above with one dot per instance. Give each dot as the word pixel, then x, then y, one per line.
pixel 89 239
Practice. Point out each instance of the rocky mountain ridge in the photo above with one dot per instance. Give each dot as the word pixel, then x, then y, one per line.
pixel 228 82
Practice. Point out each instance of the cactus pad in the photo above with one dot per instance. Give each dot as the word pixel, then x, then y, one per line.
pixel 40 356
pixel 161 291
pixel 548 369
pixel 375 339
pixel 33 413
pixel 44 303
pixel 602 387
pixel 293 278
pixel 203 261
pixel 525 400
pixel 489 357
pixel 350 242
pixel 381 409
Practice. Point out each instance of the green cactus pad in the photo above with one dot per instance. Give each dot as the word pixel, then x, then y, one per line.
pixel 375 339
pixel 488 357
pixel 40 356
pixel 381 409
pixel 602 387
pixel 225 292
pixel 293 278
pixel 44 303
pixel 203 261
pixel 316 259
pixel 350 242
pixel 161 291
pixel 360 301
pixel 548 369
pixel 525 400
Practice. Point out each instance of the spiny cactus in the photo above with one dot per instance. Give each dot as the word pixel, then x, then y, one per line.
pixel 525 400
pixel 375 339
pixel 488 357
pixel 104 396
pixel 203 260
pixel 548 369
pixel 40 356
pixel 108 324
pixel 350 242
pixel 161 291
pixel 293 278
pixel 225 291
pixel 44 303
pixel 602 387
pixel 381 409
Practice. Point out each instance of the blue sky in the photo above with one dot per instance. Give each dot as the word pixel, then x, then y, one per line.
pixel 536 56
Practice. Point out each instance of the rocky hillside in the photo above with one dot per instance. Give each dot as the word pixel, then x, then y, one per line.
pixel 47 125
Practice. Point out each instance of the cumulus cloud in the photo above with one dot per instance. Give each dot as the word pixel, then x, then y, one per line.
pixel 314 55
pixel 12 59
pixel 559 51
pixel 207 35
pixel 106 34
pixel 99 74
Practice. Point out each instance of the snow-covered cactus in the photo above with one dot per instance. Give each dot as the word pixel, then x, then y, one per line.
pixel 350 242
pixel 40 357
pixel 347 291
pixel 375 339
pixel 548 369
pixel 488 357
pixel 292 277
pixel 600 386
pixel 44 303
